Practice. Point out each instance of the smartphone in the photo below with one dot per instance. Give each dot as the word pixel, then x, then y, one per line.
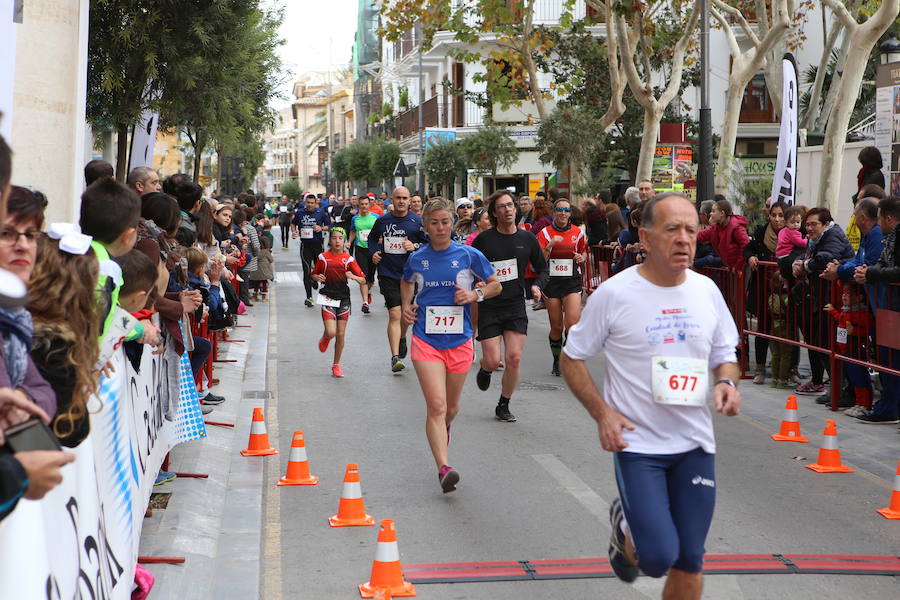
pixel 33 434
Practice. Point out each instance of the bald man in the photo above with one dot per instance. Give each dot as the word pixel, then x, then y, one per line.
pixel 391 240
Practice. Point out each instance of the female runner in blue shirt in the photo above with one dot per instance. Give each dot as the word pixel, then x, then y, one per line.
pixel 442 350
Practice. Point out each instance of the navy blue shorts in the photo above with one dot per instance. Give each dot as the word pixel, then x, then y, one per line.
pixel 668 501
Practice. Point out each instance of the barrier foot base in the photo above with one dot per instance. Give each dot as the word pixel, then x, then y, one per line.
pixel 225 360
pixel 155 560
pixel 219 424
pixel 248 326
pixel 229 340
pixel 193 475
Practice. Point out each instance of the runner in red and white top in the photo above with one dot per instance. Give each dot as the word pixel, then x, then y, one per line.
pixel 565 249
pixel 332 269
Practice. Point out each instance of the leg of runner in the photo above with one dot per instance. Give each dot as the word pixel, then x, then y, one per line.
pixel 555 312
pixel 339 347
pixel 514 343
pixel 285 235
pixel 394 331
pixel 442 392
pixel 571 310
pixel 330 328
pixel 308 255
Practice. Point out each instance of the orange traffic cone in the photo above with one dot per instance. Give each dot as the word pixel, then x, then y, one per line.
pixel 298 467
pixel 259 439
pixel 829 454
pixel 790 426
pixel 386 570
pixel 382 593
pixel 892 511
pixel 351 509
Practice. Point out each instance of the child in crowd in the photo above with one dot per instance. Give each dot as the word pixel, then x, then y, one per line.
pixel 212 308
pixel 853 322
pixel 259 279
pixel 267 231
pixel 62 302
pixel 137 293
pixel 779 307
pixel 110 212
pixel 791 242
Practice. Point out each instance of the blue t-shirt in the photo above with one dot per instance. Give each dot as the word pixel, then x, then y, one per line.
pixel 388 232
pixel 309 219
pixel 437 273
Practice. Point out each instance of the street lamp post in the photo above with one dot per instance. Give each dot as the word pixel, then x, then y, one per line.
pixel 705 188
pixel 420 172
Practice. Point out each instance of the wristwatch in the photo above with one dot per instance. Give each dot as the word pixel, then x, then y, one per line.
pixel 726 381
pixel 480 295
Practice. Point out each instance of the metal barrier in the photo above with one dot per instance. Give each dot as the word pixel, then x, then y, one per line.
pixel 780 310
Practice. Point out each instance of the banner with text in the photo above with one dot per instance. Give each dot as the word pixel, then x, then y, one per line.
pixel 81 540
pixel 784 184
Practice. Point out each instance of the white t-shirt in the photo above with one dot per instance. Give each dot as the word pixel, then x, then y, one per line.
pixel 633 321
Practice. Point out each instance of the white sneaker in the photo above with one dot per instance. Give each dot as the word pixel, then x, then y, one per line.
pixel 856 411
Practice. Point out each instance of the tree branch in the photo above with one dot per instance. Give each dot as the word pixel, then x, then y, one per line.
pixel 642 92
pixel 678 57
pixel 728 29
pixel 842 14
pixel 739 17
pixel 616 107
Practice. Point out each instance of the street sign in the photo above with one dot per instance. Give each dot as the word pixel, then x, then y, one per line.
pixel 400 169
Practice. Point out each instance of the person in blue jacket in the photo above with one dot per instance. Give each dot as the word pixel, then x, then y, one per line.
pixel 309 224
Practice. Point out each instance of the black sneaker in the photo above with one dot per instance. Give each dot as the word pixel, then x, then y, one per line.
pixel 555 369
pixel 402 348
pixel 315 284
pixel 878 419
pixel 502 413
pixel 365 309
pixel 618 560
pixel 211 398
pixel 308 303
pixel 483 379
pixel 397 364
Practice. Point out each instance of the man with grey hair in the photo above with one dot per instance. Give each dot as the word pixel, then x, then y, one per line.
pixel 632 197
pixel 669 341
pixel 705 210
pixel 143 180
pixel 645 188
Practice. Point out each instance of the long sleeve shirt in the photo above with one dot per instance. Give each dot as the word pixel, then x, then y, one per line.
pixel 869 250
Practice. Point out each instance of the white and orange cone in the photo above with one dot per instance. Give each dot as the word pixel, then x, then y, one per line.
pixel 351 509
pixel 258 445
pixel 790 426
pixel 892 510
pixel 829 454
pixel 386 569
pixel 298 466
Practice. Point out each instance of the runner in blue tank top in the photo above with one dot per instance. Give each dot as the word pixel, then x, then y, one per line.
pixel 449 277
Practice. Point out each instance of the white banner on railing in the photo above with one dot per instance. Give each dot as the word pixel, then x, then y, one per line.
pixel 784 185
pixel 81 540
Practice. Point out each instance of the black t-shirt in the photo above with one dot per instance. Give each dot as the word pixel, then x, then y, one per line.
pixel 521 246
pixel 340 216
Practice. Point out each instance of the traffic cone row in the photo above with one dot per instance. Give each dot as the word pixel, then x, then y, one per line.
pixel 386 579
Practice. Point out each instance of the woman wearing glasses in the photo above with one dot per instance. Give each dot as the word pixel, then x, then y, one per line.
pixel 565 249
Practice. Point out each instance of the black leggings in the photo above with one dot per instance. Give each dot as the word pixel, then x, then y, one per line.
pixel 285 235
pixel 309 253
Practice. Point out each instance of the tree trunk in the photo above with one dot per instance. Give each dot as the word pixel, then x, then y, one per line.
pixel 648 143
pixel 729 131
pixel 121 151
pixel 831 97
pixel 815 96
pixel 863 39
pixel 219 169
pixel 199 145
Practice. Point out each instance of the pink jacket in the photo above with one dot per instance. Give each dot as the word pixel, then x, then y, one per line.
pixel 789 240
pixel 728 241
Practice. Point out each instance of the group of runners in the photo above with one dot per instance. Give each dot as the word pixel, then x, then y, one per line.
pixel 668 338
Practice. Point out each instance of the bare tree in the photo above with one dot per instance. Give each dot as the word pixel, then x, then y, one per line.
pixel 861 39
pixel 744 66
pixel 635 46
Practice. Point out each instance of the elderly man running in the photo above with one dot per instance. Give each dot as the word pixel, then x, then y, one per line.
pixel 669 342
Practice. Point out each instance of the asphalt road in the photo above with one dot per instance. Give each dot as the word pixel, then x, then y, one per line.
pixel 538 488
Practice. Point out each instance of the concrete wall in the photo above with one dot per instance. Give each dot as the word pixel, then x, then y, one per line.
pixel 809 172
pixel 48 125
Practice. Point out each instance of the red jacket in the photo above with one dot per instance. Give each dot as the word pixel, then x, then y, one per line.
pixel 858 316
pixel 728 241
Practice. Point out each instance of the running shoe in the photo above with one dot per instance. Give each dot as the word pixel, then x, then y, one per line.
pixel 877 419
pixel 323 343
pixel 402 348
pixel 618 559
pixel 308 303
pixel 501 366
pixel 539 305
pixel 165 477
pixel 336 371
pixel 760 377
pixel 502 413
pixel 365 308
pixel 483 379
pixel 856 411
pixel 810 389
pixel 448 478
pixel 315 284
pixel 555 369
pixel 397 364
pixel 211 398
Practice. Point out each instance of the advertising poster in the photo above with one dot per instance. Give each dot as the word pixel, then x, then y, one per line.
pixel 682 169
pixel 663 163
pixel 887 123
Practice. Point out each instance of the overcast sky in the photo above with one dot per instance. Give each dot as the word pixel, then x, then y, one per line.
pixel 312 27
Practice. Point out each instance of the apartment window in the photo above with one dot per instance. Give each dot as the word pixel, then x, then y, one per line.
pixel 756 105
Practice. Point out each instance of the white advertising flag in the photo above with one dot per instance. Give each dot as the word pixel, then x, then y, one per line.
pixel 784 185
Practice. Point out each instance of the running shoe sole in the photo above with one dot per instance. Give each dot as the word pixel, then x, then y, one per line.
pixel 449 481
pixel 871 420
pixel 505 416
pixel 618 559
pixel 397 366
pixel 483 380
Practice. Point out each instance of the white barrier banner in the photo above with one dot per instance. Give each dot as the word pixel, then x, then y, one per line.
pixel 81 540
pixel 784 184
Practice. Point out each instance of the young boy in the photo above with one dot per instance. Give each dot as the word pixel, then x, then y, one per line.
pixel 110 212
pixel 138 289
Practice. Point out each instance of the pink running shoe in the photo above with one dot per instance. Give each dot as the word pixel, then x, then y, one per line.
pixel 323 343
pixel 336 371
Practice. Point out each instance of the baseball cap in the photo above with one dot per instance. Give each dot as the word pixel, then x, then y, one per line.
pixel 464 202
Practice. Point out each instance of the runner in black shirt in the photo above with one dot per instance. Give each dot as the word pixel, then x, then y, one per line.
pixel 509 249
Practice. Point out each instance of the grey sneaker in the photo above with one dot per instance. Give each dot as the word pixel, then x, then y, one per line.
pixel 618 560
pixel 397 364
pixel 856 411
pixel 760 377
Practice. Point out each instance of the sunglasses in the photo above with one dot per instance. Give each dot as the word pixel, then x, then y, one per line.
pixel 563 210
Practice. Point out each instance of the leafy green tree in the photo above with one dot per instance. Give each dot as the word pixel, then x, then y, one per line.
pixel 291 189
pixel 383 157
pixel 358 160
pixel 443 163
pixel 490 150
pixel 339 165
